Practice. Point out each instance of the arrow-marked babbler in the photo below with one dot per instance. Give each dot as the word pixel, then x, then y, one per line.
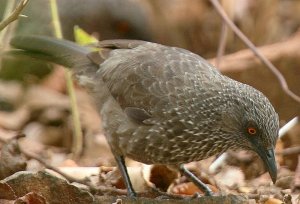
pixel 164 105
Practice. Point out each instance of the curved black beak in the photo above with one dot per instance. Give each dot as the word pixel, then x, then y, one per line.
pixel 268 157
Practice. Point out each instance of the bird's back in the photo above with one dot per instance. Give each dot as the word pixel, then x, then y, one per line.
pixel 163 91
pixel 143 74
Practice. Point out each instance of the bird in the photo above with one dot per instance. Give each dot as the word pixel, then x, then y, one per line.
pixel 163 105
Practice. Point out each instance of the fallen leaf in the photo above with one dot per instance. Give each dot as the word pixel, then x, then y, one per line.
pixel 231 177
pixel 273 201
pixel 11 159
pixel 7 192
pixel 189 188
pixel 31 198
pixel 159 176
pixel 52 188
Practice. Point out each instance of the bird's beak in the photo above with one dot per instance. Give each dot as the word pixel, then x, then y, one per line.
pixel 268 157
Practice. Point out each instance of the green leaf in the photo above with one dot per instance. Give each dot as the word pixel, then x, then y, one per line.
pixel 82 37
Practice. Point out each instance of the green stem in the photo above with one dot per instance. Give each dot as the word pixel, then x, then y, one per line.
pixel 78 137
pixel 55 19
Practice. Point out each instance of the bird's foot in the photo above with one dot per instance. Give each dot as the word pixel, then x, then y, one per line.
pixel 208 192
pixel 131 193
pixel 202 186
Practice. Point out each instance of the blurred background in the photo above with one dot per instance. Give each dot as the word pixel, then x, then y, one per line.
pixel 33 95
pixel 190 24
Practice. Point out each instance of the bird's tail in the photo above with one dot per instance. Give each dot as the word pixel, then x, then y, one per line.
pixel 54 50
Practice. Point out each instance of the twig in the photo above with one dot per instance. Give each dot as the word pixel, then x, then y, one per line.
pixel 217 163
pixel 289 151
pixel 288 126
pixel 9 8
pixel 14 15
pixel 261 57
pixel 77 143
pixel 106 189
pixel 222 43
pixel 16 137
pixel 57 170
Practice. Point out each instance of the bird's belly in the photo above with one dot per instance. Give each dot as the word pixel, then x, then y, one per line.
pixel 151 144
pixel 149 148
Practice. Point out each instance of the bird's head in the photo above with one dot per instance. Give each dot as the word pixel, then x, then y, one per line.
pixel 253 123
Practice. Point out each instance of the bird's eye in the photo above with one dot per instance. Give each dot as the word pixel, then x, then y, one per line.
pixel 251 130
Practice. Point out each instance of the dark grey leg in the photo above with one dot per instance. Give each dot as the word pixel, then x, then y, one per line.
pixel 196 181
pixel 121 164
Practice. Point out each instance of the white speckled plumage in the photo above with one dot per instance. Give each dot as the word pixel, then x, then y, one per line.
pixel 165 105
pixel 194 111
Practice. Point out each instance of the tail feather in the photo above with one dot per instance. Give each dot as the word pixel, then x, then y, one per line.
pixel 84 61
pixel 58 51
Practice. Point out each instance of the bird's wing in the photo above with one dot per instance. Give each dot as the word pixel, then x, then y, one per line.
pixel 149 79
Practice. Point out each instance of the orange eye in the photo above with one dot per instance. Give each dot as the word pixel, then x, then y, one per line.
pixel 251 130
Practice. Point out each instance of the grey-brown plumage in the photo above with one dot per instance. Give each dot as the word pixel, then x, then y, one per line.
pixel 165 105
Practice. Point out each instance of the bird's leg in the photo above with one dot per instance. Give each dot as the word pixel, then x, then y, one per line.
pixel 121 164
pixel 196 180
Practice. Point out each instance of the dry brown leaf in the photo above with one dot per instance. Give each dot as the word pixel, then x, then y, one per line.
pixel 76 172
pixel 46 185
pixel 287 199
pixel 245 189
pixel 273 201
pixel 31 198
pixel 249 162
pixel 297 175
pixel 11 159
pixel 14 120
pixel 97 151
pixel 56 79
pixel 39 98
pixel 89 114
pixel 3 201
pixel 142 178
pixel 138 181
pixel 69 163
pixel 285 182
pixel 268 191
pixel 46 135
pixel 7 192
pixel 159 176
pixel 291 139
pixel 279 147
pixel 231 177
pixel 189 188
pixel 11 93
pixel 32 145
